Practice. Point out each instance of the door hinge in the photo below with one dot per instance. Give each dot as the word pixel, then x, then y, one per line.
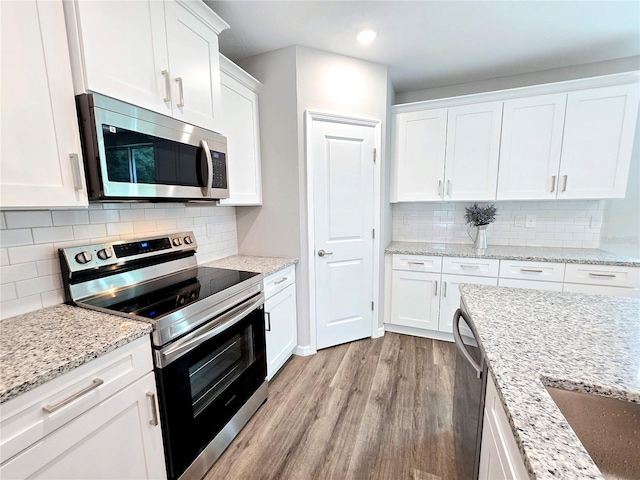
pixel 374 155
pixel 374 233
pixel 372 306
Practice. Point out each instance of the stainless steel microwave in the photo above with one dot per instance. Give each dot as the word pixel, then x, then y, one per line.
pixel 134 154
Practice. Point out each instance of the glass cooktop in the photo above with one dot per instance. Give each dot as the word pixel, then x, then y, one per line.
pixel 189 287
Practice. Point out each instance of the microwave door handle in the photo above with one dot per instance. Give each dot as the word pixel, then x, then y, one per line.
pixel 206 190
pixel 457 338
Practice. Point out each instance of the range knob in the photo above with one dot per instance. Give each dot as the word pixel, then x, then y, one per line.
pixel 177 241
pixel 105 253
pixel 83 257
pixel 188 240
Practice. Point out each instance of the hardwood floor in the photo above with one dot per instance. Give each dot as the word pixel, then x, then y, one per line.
pixel 372 409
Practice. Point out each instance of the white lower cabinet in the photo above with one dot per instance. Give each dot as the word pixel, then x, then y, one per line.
pixel 109 429
pixel 281 319
pixel 450 296
pixel 531 284
pixel 415 302
pixel 500 457
pixel 601 290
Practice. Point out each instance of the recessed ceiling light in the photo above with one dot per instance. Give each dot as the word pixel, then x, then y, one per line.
pixel 366 35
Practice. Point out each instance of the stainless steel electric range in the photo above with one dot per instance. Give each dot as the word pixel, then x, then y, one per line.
pixel 208 336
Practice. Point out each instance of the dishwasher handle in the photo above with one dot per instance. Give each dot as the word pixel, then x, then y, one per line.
pixel 460 344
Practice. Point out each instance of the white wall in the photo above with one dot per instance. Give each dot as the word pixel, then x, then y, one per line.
pixel 536 78
pixel 621 223
pixel 558 223
pixel 29 242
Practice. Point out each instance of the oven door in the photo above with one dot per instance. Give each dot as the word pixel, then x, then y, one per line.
pixel 205 377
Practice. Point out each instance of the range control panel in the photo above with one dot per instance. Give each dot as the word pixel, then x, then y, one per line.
pixel 120 252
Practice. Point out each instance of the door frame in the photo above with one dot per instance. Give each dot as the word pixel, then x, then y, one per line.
pixel 310 117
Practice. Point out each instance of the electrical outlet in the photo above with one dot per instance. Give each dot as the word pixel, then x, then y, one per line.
pixel 596 221
pixel 531 221
pixel 519 222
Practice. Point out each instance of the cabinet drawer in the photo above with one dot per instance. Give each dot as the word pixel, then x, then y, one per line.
pixel 532 284
pixel 417 263
pixel 478 267
pixel 279 280
pixel 24 420
pixel 603 275
pixel 545 271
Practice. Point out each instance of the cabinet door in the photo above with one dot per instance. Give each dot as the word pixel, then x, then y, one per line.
pixel 415 299
pixel 530 147
pixel 473 144
pixel 195 66
pixel 450 297
pixel 124 51
pixel 598 139
pixel 118 438
pixel 281 335
pixel 39 121
pixel 419 149
pixel 240 124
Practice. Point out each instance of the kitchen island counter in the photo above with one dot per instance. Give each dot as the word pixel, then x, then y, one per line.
pixel 590 256
pixel 532 339
pixel 39 346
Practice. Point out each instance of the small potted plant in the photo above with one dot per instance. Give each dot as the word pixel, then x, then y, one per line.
pixel 480 217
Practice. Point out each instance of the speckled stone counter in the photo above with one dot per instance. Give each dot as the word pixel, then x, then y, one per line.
pixel 531 338
pixel 248 263
pixel 592 256
pixel 42 345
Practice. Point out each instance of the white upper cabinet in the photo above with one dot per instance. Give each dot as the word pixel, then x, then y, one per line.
pixel 40 155
pixel 530 148
pixel 240 124
pixel 162 56
pixel 419 153
pixel 598 139
pixel 473 144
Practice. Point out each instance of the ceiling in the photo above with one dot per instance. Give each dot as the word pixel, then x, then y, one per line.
pixel 429 44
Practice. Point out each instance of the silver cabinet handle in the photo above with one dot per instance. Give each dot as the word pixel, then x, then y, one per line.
pixel 322 253
pixel 284 279
pixel 608 275
pixel 440 187
pixel 475 267
pixel 553 184
pixel 268 315
pixel 411 262
pixel 154 409
pixel 180 92
pixel 206 190
pixel 435 290
pixel 564 185
pixel 531 270
pixel 444 289
pixel 167 86
pixel 449 188
pixel 75 170
pixel 457 338
pixel 94 384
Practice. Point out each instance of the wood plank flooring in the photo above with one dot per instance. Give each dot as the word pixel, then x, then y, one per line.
pixel 372 409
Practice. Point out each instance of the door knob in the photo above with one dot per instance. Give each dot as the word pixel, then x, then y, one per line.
pixel 322 253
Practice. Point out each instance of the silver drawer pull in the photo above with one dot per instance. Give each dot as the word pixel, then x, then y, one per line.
pixel 410 262
pixel 564 185
pixel 435 290
pixel 530 270
pixel 475 267
pixel 154 409
pixel 608 275
pixel 553 184
pixel 281 280
pixel 52 408
pixel 268 315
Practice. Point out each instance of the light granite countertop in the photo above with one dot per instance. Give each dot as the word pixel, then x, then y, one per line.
pixel 532 338
pixel 249 263
pixel 591 256
pixel 39 346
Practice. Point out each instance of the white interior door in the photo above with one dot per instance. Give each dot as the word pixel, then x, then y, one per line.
pixel 341 162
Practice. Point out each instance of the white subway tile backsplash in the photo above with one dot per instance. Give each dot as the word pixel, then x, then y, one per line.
pixel 3 224
pixel 31 253
pixel 38 285
pixel 81 232
pixel 28 219
pixel 133 215
pixel 18 236
pixel 8 292
pixel 122 228
pixel 145 226
pixel 48 267
pixel 19 306
pixel 70 217
pixel 4 257
pixel 54 297
pixel 104 216
pixel 52 234
pixel 16 273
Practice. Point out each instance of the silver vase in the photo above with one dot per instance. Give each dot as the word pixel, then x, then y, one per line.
pixel 481 237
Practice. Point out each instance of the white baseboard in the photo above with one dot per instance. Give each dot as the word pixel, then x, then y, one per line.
pixel 378 333
pixel 418 332
pixel 304 350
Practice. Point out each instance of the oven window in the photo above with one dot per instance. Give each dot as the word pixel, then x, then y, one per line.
pixel 214 373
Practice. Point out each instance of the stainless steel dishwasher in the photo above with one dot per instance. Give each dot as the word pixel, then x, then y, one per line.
pixel 468 397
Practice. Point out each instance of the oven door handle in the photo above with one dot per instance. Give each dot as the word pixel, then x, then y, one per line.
pixel 187 343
